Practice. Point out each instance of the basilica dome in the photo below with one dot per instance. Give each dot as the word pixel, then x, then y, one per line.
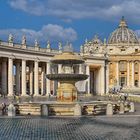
pixel 123 35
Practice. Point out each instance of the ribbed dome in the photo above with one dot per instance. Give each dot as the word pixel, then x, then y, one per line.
pixel 123 34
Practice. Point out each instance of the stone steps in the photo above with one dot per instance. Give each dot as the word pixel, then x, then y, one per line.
pixel 28 109
pixel 89 109
pixel 61 110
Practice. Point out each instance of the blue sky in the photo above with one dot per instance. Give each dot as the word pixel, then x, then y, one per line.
pixel 65 20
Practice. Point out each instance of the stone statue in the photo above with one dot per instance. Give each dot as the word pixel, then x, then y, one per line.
pixel 86 40
pixel 10 39
pixel 48 44
pixel 24 40
pixel 36 43
pixel 60 46
pixel 104 41
pixel 81 49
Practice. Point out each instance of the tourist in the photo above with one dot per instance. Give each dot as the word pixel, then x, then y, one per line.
pixel 94 109
pixel 3 108
pixel 125 96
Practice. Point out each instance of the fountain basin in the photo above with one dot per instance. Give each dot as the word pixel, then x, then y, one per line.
pixel 67 77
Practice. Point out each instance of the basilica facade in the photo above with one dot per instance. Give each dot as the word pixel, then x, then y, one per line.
pixel 122 57
pixel 108 63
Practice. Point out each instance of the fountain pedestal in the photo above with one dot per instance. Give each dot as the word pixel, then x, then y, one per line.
pixel 67 92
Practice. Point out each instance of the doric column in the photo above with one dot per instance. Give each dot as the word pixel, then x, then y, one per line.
pixel 23 78
pixel 80 69
pixel 88 79
pixel 4 76
pixel 117 73
pixel 128 73
pixel 59 68
pixel 59 71
pixel 132 74
pixel 36 88
pixel 102 80
pixel 18 77
pixel 10 77
pixel 43 80
pixel 31 78
pixel 107 78
pixel 48 89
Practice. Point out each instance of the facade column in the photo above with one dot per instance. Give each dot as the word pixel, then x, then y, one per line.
pixel 36 85
pixel 18 78
pixel 132 74
pixel 128 73
pixel 23 78
pixel 4 77
pixel 117 73
pixel 88 79
pixel 43 80
pixel 97 81
pixel 48 89
pixel 102 80
pixel 10 77
pixel 139 74
pixel 107 78
pixel 31 78
pixel 59 71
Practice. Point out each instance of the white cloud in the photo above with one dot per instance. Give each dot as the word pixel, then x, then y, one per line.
pixel 51 32
pixel 77 9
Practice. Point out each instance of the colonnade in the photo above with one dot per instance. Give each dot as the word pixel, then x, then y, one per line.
pixel 23 77
pixel 28 77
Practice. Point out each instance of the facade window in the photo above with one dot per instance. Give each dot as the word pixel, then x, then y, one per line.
pixel 136 50
pixel 111 65
pixel 122 50
pixel 122 66
pixel 136 67
pixel 136 83
pixel 111 50
pixel 122 81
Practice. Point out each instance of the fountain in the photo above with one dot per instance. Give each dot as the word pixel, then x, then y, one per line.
pixel 67 92
pixel 67 103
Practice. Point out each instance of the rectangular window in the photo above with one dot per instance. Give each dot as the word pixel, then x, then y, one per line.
pixel 122 50
pixel 110 50
pixel 122 66
pixel 122 81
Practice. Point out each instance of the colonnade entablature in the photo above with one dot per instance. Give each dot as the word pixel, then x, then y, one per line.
pixel 35 47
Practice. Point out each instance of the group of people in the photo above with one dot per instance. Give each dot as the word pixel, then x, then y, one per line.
pixel 115 89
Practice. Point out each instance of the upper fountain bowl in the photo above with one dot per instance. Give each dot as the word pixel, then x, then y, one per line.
pixel 67 58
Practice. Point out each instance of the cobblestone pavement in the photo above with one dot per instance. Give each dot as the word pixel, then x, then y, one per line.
pixel 68 128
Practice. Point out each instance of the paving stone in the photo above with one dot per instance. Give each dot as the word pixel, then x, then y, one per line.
pixel 67 128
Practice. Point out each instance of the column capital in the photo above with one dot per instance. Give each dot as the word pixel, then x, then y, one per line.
pixel 24 59
pixel 11 57
pixel 36 60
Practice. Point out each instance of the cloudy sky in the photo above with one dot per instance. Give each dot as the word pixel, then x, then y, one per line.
pixel 65 20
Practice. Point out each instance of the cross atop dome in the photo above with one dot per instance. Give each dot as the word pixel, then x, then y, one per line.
pixel 123 22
